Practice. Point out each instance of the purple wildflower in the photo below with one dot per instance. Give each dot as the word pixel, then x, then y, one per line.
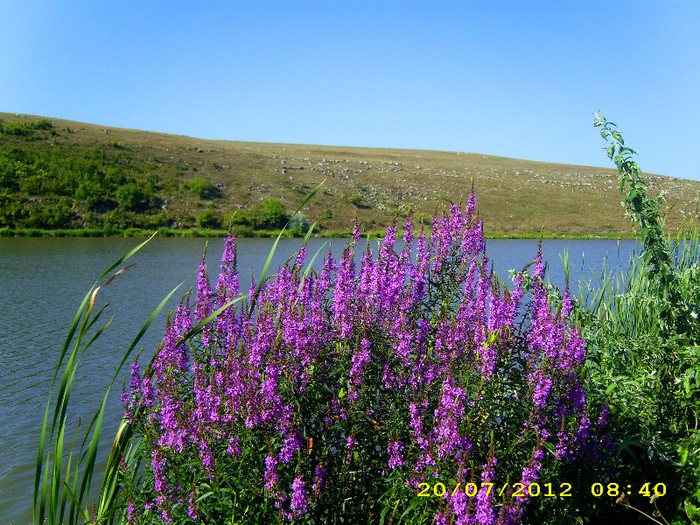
pixel 158 464
pixel 192 506
pixel 360 359
pixel 204 302
pixel 484 498
pixel 430 324
pixel 299 501
pixel 271 475
pixel 395 451
pixel 319 473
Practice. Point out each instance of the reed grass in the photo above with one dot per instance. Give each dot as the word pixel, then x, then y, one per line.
pixel 62 485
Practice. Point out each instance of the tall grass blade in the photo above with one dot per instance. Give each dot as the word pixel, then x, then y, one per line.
pixel 263 275
pixel 94 442
pixel 216 313
pixel 51 483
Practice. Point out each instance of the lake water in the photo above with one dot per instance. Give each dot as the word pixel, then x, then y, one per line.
pixel 43 281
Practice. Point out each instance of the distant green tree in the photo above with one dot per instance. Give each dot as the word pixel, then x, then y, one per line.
pixel 202 188
pixel 11 172
pixel 132 196
pixel 239 218
pixel 209 219
pixel 90 192
pixel 270 214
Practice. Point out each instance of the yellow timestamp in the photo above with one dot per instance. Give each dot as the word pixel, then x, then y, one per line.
pixel 517 490
pixel 615 489
pixel 534 490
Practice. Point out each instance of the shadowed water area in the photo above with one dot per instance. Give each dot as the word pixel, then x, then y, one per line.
pixel 43 281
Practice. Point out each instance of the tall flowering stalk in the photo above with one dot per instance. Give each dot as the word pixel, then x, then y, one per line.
pixel 344 392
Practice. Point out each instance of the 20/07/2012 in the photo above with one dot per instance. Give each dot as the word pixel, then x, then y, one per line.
pixel 520 490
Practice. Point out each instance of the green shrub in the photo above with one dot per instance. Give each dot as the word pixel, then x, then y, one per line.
pixel 239 218
pixel 209 219
pixel 355 200
pixel 242 231
pixel 202 188
pixel 18 129
pixel 270 214
pixel 132 197
pixel 90 192
pixel 119 219
pixel 11 173
pixel 155 221
pixel 43 124
pixel 114 177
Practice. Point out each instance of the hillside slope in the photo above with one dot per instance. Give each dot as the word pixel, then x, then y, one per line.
pixel 62 174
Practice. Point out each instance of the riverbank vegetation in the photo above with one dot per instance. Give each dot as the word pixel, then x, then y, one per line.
pixel 404 386
pixel 239 232
pixel 63 176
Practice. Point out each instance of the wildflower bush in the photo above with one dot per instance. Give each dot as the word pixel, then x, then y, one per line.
pixel 396 384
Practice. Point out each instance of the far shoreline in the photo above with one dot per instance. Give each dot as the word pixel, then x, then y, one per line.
pixel 271 234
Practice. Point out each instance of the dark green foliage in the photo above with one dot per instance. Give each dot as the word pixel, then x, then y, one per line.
pixel 11 172
pixel 209 219
pixel 57 214
pixel 643 339
pixel 645 210
pixel 132 197
pixel 66 187
pixel 24 129
pixel 202 188
pixel 89 191
pixel 270 214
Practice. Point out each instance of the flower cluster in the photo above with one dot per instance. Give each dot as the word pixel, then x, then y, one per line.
pixel 379 372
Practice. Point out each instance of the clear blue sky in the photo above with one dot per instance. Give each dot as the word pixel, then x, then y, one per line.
pixel 512 78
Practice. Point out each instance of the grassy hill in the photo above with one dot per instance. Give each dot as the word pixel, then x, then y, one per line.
pixel 57 174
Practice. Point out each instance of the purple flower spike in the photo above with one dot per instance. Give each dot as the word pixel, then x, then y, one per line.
pixel 395 451
pixel 192 507
pixel 204 302
pixel 299 502
pixel 319 474
pixel 270 472
pixel 484 498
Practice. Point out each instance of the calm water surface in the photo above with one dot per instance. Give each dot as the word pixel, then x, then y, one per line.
pixel 43 281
